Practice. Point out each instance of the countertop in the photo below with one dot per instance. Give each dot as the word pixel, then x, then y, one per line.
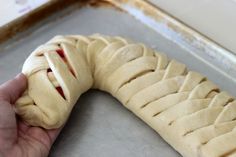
pixel 213 18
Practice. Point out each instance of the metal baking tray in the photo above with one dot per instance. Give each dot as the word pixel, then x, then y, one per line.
pixel 99 125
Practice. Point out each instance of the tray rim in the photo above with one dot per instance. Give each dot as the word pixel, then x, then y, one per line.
pixel 199 45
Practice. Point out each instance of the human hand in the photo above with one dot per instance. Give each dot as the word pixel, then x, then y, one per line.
pixel 18 139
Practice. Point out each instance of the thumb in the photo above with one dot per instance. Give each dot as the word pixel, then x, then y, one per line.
pixel 11 90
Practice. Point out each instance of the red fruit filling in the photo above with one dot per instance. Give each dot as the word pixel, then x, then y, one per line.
pixel 49 70
pixel 62 55
pixel 59 89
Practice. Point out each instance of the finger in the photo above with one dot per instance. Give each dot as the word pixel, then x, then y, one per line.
pixel 11 90
pixel 52 134
pixel 8 130
pixel 22 126
pixel 45 137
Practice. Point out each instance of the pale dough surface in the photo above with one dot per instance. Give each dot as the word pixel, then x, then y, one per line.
pixel 186 109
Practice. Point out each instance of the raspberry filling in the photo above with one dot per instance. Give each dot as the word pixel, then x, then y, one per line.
pixel 61 53
pixel 60 91
pixel 51 76
pixel 55 83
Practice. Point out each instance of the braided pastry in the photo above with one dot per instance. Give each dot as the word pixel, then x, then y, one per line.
pixel 185 108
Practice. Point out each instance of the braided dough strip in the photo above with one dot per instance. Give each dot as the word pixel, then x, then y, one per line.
pixel 185 108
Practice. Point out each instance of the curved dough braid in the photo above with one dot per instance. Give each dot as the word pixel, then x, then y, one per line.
pixel 185 108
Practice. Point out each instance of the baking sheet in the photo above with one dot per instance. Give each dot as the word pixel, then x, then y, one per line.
pixel 99 125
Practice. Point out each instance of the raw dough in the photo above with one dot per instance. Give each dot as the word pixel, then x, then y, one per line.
pixel 185 108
